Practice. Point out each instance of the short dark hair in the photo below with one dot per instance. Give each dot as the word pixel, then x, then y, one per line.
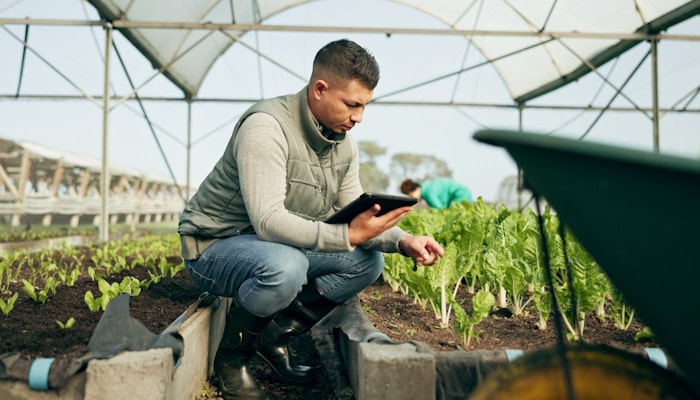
pixel 409 185
pixel 346 60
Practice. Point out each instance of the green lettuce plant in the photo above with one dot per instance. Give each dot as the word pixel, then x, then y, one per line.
pixel 444 280
pixel 465 323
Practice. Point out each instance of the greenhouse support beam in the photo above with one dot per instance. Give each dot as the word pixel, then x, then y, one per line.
pixel 655 91
pixel 557 107
pixel 188 165
pixel 121 24
pixel 104 178
pixel 24 58
pixel 618 91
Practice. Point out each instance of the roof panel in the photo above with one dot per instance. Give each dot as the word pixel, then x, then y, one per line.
pixel 187 55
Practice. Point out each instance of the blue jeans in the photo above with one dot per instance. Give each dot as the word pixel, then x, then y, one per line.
pixel 265 277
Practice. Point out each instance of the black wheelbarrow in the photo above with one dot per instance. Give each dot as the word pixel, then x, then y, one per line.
pixel 638 214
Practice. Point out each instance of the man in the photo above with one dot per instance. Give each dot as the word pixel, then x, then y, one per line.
pixel 254 230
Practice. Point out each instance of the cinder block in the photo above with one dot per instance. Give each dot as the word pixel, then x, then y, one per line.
pixel 394 372
pixel 192 370
pixel 131 375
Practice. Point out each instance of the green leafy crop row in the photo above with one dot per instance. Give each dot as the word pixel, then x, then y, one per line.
pixel 496 255
pixel 39 275
pixel 26 235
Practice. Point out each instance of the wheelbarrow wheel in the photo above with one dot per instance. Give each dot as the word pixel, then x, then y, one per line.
pixel 597 372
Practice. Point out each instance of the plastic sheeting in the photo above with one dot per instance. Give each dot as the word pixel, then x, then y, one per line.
pixel 529 64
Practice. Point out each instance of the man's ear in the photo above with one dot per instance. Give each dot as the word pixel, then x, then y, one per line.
pixel 319 87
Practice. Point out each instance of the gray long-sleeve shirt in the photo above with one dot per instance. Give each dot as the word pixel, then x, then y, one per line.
pixel 261 153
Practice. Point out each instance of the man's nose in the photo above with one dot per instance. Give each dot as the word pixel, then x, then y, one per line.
pixel 356 117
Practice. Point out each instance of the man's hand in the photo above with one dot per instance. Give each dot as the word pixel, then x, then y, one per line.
pixel 423 249
pixel 367 225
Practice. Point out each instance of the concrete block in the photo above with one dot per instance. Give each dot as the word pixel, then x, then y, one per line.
pixel 217 322
pixel 131 375
pixel 394 372
pixel 192 370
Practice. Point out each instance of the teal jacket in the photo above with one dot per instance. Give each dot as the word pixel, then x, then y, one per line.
pixel 440 193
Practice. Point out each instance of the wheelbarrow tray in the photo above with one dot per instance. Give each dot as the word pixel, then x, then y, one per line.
pixel 637 213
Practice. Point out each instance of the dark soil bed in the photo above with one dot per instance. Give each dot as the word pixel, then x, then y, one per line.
pixel 31 328
pixel 404 320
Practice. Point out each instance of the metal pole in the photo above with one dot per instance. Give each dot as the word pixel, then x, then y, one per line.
pixel 383 30
pixel 251 100
pixel 189 147
pixel 24 57
pixel 105 178
pixel 520 171
pixel 655 91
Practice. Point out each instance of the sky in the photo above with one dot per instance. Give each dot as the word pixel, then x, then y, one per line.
pixel 405 61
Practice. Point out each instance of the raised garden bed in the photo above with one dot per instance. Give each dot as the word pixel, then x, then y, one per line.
pixel 32 328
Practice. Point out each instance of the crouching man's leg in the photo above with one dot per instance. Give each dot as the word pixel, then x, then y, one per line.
pixel 342 275
pixel 304 311
pixel 235 351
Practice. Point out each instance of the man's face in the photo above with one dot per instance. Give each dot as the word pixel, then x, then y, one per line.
pixel 338 106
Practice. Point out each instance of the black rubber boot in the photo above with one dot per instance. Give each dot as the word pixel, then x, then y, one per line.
pixel 235 350
pixel 306 309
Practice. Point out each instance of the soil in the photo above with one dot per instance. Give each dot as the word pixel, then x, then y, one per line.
pixel 403 320
pixel 31 328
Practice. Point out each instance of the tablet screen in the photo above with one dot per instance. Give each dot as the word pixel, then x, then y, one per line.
pixel 387 202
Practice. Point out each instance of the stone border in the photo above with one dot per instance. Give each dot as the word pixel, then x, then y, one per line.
pixel 358 356
pixel 380 369
pixel 150 374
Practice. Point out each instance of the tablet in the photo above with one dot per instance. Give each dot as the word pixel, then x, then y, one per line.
pixel 387 202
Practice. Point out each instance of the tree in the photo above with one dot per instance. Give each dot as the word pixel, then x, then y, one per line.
pixel 369 151
pixel 373 179
pixel 419 167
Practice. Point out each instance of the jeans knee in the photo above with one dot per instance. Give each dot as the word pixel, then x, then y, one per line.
pixel 376 264
pixel 291 280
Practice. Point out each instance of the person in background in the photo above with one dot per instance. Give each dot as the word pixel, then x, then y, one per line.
pixel 437 193
pixel 254 230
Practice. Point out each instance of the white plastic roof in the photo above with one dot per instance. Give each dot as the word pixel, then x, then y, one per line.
pixel 530 65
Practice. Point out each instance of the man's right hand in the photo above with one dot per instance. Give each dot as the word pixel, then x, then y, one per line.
pixel 368 225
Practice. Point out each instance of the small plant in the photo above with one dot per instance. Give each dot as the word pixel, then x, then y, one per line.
pixel 347 391
pixel 31 291
pixel 7 306
pixel 69 279
pixel 128 285
pixel 208 392
pixel 622 314
pixel 645 335
pixel 482 303
pixel 67 325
